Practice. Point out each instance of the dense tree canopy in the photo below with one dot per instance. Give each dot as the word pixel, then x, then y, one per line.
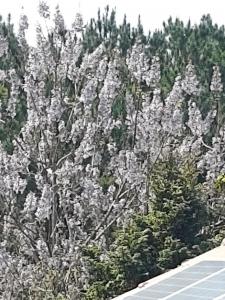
pixel 111 154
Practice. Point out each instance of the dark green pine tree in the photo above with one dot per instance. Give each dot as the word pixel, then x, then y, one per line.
pixel 14 59
pixel 178 212
pixel 203 44
pixel 131 259
pixel 104 29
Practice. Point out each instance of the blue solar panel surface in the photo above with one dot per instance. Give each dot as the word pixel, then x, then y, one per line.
pixel 205 280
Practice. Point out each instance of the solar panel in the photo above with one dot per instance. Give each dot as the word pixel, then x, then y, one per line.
pixel 204 280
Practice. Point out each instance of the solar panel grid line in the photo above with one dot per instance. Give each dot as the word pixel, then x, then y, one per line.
pixel 197 272
pixel 209 289
pixel 213 281
pixel 193 284
pixel 171 284
pixel 221 297
pixel 195 292
pixel 136 297
pixel 219 278
pixel 212 285
pixel 191 276
pixel 168 287
pixel 201 270
pixel 193 297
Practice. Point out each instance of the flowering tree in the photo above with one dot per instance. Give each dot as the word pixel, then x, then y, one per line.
pixel 81 164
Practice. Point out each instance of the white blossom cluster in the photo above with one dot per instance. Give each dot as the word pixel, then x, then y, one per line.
pixel 3 46
pixel 216 83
